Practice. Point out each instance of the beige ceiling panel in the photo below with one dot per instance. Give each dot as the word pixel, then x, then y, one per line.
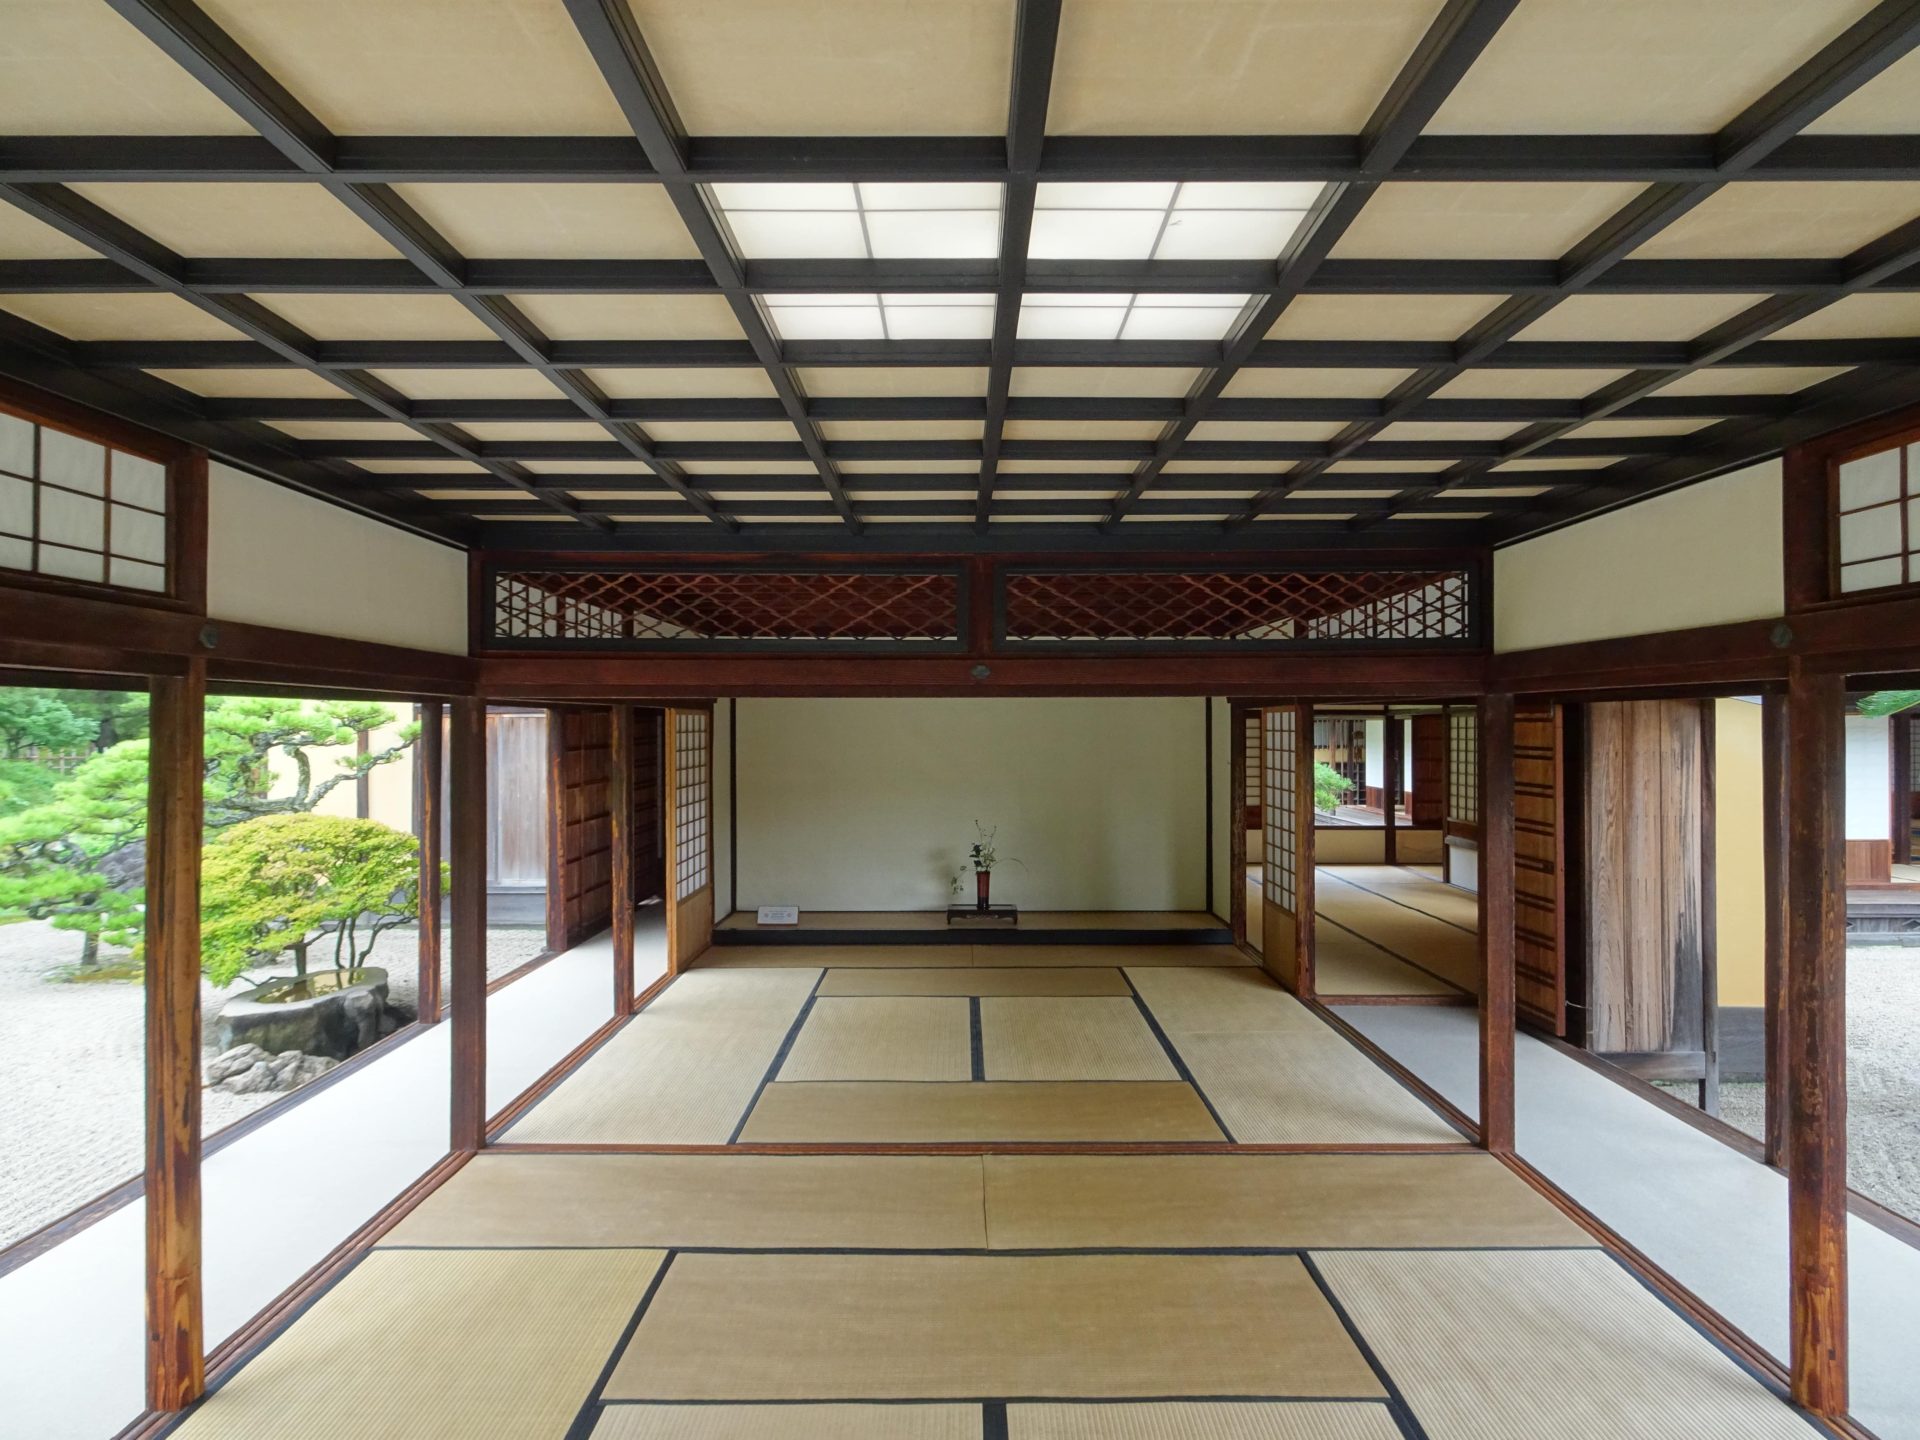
pixel 1636 317
pixel 1228 467
pixel 1765 220
pixel 1681 67
pixel 1271 382
pixel 1157 494
pixel 1534 462
pixel 496 384
pixel 1888 104
pixel 1412 220
pixel 1853 318
pixel 1526 384
pixel 1228 67
pixel 957 468
pixel 345 429
pixel 552 430
pixel 1381 317
pixel 263 221
pixel 1100 495
pixel 1444 430
pixel 252 384
pixel 901 429
pixel 1621 429
pixel 428 67
pixel 1499 492
pixel 73 67
pixel 1115 382
pixel 863 495
pixel 845 382
pixel 24 238
pixel 833 67
pixel 1749 380
pixel 555 222
pixel 119 317
pixel 1380 467
pixel 377 317
pixel 631 317
pixel 1116 468
pixel 475 495
pixel 1267 430
pixel 718 383
pixel 1083 429
pixel 754 430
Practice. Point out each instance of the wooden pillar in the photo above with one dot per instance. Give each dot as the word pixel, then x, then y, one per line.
pixel 1774 766
pixel 1496 924
pixel 1709 908
pixel 1393 767
pixel 620 809
pixel 559 863
pixel 427 802
pixel 1816 1039
pixel 467 810
pixel 1303 850
pixel 1902 734
pixel 1237 822
pixel 176 1362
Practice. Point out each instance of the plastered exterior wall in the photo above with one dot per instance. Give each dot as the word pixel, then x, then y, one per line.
pixel 275 557
pixel 870 804
pixel 1869 778
pixel 1709 554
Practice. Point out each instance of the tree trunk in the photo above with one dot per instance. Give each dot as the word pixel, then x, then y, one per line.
pixel 90 951
pixel 300 959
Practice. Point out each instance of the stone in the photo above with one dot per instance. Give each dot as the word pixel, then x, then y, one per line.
pixel 236 1061
pixel 269 1073
pixel 336 1023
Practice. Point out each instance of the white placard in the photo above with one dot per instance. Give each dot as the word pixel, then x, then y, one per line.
pixel 779 914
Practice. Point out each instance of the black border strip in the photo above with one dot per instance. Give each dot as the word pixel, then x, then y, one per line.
pixel 779 1057
pixel 587 1418
pixel 1186 935
pixel 1173 1054
pixel 1397 1405
pixel 976 1038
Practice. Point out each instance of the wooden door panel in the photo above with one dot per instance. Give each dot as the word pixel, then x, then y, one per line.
pixel 1539 861
pixel 1428 803
pixel 688 734
pixel 1286 928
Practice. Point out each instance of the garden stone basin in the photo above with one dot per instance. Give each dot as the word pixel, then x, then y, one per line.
pixel 329 1012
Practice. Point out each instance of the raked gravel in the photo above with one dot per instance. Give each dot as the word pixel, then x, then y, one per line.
pixel 72 1106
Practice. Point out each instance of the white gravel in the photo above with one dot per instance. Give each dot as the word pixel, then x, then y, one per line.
pixel 72 1102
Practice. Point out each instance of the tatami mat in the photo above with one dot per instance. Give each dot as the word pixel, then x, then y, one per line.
pixel 1447 951
pixel 1147 1202
pixel 1211 1419
pixel 883 1037
pixel 790 1422
pixel 1273 1071
pixel 881 1113
pixel 437 1343
pixel 938 1327
pixel 1419 888
pixel 1346 964
pixel 1552 1345
pixel 1070 1038
pixel 683 1071
pixel 905 1202
pixel 817 957
pixel 983 980
pixel 1128 955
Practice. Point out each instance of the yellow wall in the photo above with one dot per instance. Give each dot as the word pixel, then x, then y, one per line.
pixel 1220 744
pixel 1740 914
pixel 1708 554
pixel 275 557
pixel 389 786
pixel 870 804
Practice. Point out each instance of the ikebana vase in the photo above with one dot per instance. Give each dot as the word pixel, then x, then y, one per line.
pixel 983 888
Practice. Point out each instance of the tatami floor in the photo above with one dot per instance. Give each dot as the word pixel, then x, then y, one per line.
pixel 791 1198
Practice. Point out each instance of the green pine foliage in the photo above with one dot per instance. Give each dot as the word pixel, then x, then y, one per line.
pixel 283 884
pixel 1330 787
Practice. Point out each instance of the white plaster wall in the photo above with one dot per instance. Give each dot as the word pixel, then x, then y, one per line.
pixel 1375 745
pixel 1463 866
pixel 1709 554
pixel 276 557
pixel 870 804
pixel 1869 778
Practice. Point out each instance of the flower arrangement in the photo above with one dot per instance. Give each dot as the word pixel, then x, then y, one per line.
pixel 982 856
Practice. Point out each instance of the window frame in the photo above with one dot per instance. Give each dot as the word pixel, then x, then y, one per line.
pixel 184 476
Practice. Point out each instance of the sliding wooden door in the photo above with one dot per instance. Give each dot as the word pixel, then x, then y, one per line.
pixel 1539 864
pixel 1427 805
pixel 689 786
pixel 1286 930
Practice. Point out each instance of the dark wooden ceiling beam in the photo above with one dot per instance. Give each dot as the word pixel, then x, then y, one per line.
pixel 1448 49
pixel 1865 49
pixel 613 39
pixel 189 37
pixel 492 159
pixel 1036 33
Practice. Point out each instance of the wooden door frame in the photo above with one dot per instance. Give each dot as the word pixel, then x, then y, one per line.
pixel 689 930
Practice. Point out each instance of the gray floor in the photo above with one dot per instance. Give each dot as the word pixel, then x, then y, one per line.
pixel 1713 1219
